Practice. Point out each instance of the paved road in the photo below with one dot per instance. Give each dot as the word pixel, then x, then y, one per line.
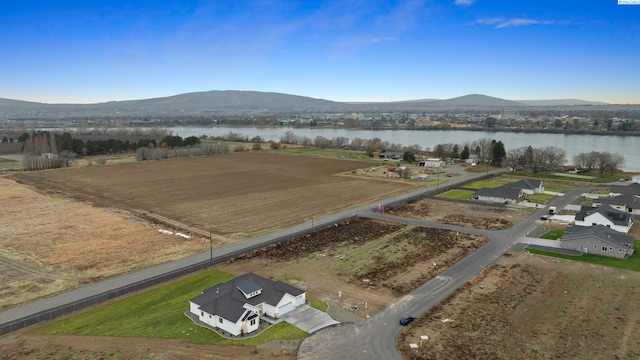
pixel 87 291
pixel 375 338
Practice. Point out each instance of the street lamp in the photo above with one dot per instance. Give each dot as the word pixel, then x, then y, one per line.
pixel 210 246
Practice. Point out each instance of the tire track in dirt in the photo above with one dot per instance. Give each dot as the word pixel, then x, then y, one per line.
pixel 179 225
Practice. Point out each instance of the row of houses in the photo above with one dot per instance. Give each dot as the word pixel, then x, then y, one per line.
pixel 602 229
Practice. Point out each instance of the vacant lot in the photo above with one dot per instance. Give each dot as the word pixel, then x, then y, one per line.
pixel 50 244
pixel 234 194
pixel 479 216
pixel 534 307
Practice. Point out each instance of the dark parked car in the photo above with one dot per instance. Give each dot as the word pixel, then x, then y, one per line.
pixel 406 320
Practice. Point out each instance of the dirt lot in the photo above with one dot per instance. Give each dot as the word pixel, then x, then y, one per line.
pixel 478 216
pixel 234 194
pixel 367 260
pixel 534 307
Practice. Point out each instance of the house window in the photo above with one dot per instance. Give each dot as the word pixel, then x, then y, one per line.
pixel 253 321
pixel 594 224
pixel 201 313
pixel 209 316
pixel 220 320
pixel 595 247
pixel 604 248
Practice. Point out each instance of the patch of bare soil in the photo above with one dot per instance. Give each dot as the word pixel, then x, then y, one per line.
pixel 534 307
pixel 369 262
pixel 19 346
pixel 477 216
pixel 49 244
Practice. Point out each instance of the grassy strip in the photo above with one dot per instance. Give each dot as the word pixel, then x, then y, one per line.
pixel 482 184
pixel 554 234
pixel 632 263
pixel 457 194
pixel 318 304
pixel 159 313
pixel 555 187
pixel 539 198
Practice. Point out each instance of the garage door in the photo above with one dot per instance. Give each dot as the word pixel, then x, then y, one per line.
pixel 285 308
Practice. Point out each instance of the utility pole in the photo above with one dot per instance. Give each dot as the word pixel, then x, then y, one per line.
pixel 210 246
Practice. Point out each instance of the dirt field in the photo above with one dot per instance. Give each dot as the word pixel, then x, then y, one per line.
pixel 49 243
pixel 367 260
pixel 534 307
pixel 234 194
pixel 478 216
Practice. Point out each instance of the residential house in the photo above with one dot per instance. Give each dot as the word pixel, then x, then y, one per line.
pixel 528 186
pixel 626 203
pixel 631 189
pixel 235 306
pixel 604 215
pixel 599 240
pixel 502 195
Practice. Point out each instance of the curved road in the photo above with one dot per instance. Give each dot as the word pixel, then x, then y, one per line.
pixel 375 338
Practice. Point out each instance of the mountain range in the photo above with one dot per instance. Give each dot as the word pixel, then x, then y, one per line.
pixel 211 102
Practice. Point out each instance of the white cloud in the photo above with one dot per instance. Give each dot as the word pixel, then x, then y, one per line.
pixel 500 23
pixel 464 2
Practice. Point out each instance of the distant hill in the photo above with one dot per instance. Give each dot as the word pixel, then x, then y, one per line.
pixel 560 102
pixel 229 99
pixel 476 100
pixel 233 101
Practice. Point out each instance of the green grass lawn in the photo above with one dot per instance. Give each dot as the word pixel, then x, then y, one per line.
pixel 553 234
pixel 159 313
pixel 539 198
pixel 330 153
pixel 318 304
pixel 556 187
pixel 457 194
pixel 632 263
pixel 482 184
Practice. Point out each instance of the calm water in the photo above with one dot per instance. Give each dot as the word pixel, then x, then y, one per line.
pixel 627 146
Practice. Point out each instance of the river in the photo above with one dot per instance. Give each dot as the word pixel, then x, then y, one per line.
pixel 573 144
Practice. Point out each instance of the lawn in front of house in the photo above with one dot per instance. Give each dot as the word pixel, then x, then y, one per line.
pixel 539 198
pixel 553 234
pixel 159 313
pixel 631 263
pixel 457 194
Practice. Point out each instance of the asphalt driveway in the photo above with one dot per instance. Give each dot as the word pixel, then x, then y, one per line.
pixel 308 318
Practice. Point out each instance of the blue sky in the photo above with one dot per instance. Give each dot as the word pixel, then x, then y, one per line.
pixel 95 51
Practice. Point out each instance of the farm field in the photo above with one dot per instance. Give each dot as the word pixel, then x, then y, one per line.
pixel 534 307
pixel 234 195
pixel 479 216
pixel 394 258
pixel 50 242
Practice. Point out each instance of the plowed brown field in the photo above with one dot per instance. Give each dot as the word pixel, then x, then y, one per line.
pixel 233 194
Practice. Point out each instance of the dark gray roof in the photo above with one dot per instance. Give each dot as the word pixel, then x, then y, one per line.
pixel 248 286
pixel 503 192
pixel 601 232
pixel 226 300
pixel 616 216
pixel 628 201
pixel 525 184
pixel 631 189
